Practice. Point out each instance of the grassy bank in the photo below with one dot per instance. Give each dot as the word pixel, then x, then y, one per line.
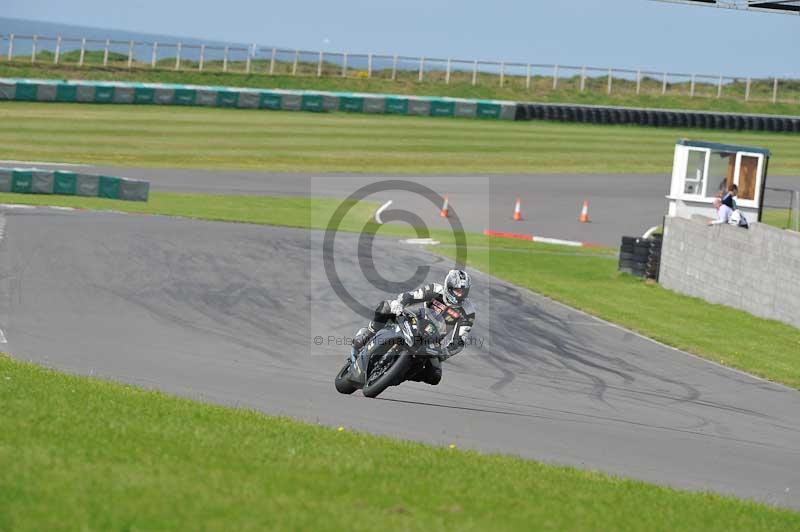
pixel 83 454
pixel 308 142
pixel 514 88
pixel 584 278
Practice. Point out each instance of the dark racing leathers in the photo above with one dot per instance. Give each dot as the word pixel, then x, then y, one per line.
pixel 459 318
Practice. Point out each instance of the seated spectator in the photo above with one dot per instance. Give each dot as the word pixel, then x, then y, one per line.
pixel 723 213
pixel 729 198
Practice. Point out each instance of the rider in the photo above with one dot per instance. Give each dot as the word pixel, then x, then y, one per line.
pixel 448 299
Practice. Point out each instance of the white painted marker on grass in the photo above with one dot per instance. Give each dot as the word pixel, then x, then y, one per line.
pixel 380 211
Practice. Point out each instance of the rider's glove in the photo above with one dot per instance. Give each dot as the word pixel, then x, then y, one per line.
pixel 396 307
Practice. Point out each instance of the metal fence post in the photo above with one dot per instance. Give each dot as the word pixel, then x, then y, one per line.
pixel 344 65
pixel 747 90
pixel 555 77
pixel 369 65
pixel 664 84
pixel 583 78
pixel 272 61
pixel 528 77
pixel 394 67
pixel 202 57
pixel 154 55
pixel 319 65
pixel 691 87
pixel 447 75
pixel 719 88
pixel 775 91
pixel 248 61
pixel 797 210
pixel 178 56
pixel 502 72
pixel 475 72
pixel 130 55
pixel 225 59
pixel 33 49
pixel 610 80
pixel 83 52
pixel 638 81
pixel 10 47
pixel 58 50
pixel 421 68
pixel 296 59
pixel 105 53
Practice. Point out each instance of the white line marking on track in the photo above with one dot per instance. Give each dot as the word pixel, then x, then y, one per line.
pixel 3 337
pixel 420 241
pixel 16 206
pixel 545 240
pixel 380 211
pixel 12 161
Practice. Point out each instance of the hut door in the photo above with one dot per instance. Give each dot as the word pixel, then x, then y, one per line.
pixel 747 177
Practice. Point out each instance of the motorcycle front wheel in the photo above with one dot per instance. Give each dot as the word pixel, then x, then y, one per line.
pixel 387 372
pixel 342 383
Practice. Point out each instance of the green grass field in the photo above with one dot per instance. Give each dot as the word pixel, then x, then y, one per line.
pixel 624 93
pixel 307 142
pixel 84 454
pixel 584 278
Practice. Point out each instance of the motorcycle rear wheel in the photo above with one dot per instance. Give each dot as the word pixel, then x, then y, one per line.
pixel 394 374
pixel 342 383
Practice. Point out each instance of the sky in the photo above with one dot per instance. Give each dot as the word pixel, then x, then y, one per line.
pixel 612 33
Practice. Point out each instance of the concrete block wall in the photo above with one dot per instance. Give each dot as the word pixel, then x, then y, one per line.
pixel 756 270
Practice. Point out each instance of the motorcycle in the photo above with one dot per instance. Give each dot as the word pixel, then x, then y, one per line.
pixel 396 353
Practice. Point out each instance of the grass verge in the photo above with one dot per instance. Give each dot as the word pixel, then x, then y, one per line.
pixel 461 86
pixel 179 137
pixel 767 348
pixel 84 454
pixel 583 278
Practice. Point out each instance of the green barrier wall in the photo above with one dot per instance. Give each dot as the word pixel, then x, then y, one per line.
pixel 108 187
pixel 270 101
pixel 246 98
pixel 36 181
pixel 64 183
pixel 26 91
pixel 103 94
pixel 21 181
pixel 351 104
pixel 227 99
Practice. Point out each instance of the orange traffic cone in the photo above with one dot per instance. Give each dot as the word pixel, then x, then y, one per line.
pixel 584 217
pixel 517 211
pixel 445 212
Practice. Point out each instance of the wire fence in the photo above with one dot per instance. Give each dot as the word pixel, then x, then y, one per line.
pixel 535 78
pixel 784 201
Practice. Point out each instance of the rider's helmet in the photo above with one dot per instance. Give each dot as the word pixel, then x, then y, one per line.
pixel 456 286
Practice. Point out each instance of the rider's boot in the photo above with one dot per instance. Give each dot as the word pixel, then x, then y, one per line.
pixel 363 336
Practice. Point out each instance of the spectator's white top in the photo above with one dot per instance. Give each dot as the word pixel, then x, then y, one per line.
pixel 723 215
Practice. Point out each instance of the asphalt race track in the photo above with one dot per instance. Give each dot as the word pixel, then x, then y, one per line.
pixel 229 312
pixel 618 204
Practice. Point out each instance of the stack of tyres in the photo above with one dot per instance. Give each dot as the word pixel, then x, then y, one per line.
pixel 626 254
pixel 654 258
pixel 641 254
pixel 636 256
